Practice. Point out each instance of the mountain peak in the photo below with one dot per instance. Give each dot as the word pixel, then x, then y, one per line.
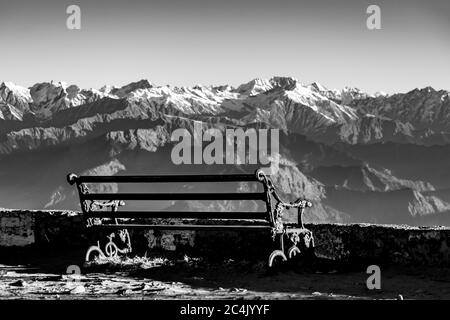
pixel 126 89
pixel 427 89
pixel 16 99
pixel 380 94
pixel 287 83
pixel 316 86
pixel 12 87
pixel 133 86
pixel 259 85
pixel 254 87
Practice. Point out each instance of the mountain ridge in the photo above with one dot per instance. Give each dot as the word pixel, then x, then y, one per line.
pixel 330 141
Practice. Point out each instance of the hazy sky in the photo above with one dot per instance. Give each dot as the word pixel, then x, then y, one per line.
pixel 188 42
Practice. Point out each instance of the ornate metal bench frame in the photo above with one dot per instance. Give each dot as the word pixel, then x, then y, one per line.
pixel 299 237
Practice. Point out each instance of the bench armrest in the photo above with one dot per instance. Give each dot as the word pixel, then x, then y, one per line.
pixel 300 204
pixel 280 205
pixel 72 178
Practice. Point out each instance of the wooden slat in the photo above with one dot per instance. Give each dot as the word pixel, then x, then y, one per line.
pixel 177 214
pixel 168 178
pixel 174 196
pixel 184 227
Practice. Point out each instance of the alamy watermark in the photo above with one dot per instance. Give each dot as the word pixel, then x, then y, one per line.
pixel 73 21
pixel 373 22
pixel 374 280
pixel 234 146
pixel 73 272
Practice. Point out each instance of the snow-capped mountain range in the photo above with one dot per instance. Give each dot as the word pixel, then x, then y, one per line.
pixel 359 157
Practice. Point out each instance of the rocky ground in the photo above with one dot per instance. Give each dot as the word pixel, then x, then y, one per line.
pixel 193 278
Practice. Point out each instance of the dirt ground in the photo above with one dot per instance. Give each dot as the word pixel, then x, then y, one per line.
pixel 188 278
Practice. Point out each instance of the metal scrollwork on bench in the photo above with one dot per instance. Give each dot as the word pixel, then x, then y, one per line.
pixel 99 205
pixel 111 250
pixel 295 234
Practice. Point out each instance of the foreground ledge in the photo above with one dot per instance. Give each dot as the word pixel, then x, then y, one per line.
pixel 352 243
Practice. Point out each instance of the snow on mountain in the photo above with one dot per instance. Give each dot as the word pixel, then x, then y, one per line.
pixel 256 98
pixel 349 94
pixel 49 98
pixel 254 87
pixel 329 140
pixel 329 116
pixel 316 86
pixel 349 115
pixel 380 94
pixel 14 101
pixel 14 95
pixel 9 112
pixel 342 97
pixel 423 108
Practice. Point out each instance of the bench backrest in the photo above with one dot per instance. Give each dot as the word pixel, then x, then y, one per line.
pixel 93 204
pixel 101 205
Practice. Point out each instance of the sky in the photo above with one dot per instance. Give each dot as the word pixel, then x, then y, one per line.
pixel 211 42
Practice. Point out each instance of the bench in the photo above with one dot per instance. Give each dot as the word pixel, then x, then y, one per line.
pixel 100 210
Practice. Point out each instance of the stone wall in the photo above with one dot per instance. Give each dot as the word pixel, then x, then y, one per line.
pixel 16 228
pixel 383 243
pixel 340 242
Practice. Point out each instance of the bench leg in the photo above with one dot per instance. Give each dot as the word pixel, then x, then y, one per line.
pixel 95 249
pixel 278 252
pixel 111 250
pixel 274 254
pixel 302 237
pixel 293 251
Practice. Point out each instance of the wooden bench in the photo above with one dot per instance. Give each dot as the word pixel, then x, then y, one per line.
pixel 101 210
